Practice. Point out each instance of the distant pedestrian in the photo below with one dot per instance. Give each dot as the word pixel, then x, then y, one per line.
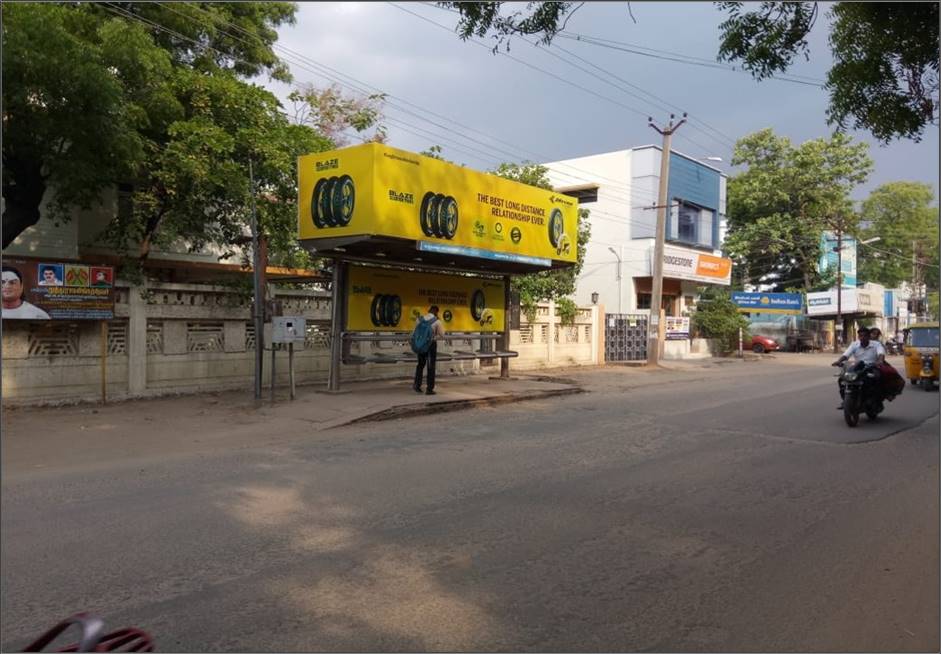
pixel 428 329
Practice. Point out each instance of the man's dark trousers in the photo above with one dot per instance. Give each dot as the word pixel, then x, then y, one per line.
pixel 430 357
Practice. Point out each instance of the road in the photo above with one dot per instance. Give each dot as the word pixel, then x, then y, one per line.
pixel 723 508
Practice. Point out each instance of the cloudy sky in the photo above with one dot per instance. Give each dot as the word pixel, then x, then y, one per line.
pixel 533 105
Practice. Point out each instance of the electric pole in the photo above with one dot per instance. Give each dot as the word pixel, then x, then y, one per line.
pixel 259 317
pixel 653 325
pixel 839 286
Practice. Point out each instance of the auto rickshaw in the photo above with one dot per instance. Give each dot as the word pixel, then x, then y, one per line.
pixel 921 354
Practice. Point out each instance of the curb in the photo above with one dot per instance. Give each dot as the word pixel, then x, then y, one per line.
pixel 413 410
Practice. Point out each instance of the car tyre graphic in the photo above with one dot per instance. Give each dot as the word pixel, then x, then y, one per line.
pixel 316 213
pixel 326 202
pixel 556 227
pixel 478 304
pixel 434 215
pixel 424 214
pixel 343 199
pixel 375 310
pixel 391 310
pixel 447 217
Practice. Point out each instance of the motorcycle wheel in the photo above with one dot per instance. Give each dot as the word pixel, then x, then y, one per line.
pixel 850 411
pixel 927 384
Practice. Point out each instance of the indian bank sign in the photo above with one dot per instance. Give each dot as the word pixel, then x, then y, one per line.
pixel 679 263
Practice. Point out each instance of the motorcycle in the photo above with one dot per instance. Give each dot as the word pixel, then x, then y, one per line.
pixel 892 347
pixel 862 392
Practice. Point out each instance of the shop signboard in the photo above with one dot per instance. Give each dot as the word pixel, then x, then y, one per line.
pixel 847 258
pixel 373 190
pixel 790 303
pixel 681 263
pixel 50 290
pixel 386 300
pixel 677 328
pixel 852 300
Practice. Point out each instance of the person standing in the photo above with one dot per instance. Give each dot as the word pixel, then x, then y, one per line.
pixel 431 356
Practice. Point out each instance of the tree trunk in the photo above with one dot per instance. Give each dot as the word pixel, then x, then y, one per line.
pixel 22 197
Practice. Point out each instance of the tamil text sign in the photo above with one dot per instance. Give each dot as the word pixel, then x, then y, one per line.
pixel 768 302
pixel 57 291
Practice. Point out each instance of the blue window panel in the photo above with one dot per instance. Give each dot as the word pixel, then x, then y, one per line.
pixel 696 184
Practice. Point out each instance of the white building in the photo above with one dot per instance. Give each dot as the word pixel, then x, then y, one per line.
pixel 620 189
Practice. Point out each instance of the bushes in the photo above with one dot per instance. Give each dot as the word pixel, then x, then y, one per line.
pixel 717 317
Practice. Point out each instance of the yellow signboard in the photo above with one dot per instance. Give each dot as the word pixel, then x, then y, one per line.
pixel 379 300
pixel 375 190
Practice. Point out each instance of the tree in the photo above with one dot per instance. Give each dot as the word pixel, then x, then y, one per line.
pixel 716 316
pixel 885 72
pixel 179 124
pixel 554 284
pixel 89 89
pixel 787 197
pixel 901 215
pixel 330 112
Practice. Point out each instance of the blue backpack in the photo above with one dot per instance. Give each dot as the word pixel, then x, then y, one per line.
pixel 422 336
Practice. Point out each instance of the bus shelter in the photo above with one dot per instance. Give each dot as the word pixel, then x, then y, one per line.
pixel 406 231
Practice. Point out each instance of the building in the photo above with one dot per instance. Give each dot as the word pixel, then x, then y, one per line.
pixel 620 189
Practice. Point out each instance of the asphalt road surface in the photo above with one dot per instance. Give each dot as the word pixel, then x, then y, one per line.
pixel 726 508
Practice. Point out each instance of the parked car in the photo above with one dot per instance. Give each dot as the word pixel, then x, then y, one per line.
pixel 761 344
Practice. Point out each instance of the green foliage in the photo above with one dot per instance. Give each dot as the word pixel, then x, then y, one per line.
pixel 87 93
pixel 479 18
pixel 171 116
pixel 717 317
pixel 786 198
pixel 567 310
pixel 884 76
pixel 902 216
pixel 885 72
pixel 549 285
pixel 934 309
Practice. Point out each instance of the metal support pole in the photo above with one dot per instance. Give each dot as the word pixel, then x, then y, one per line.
pixel 653 334
pixel 258 317
pixel 505 361
pixel 839 286
pixel 104 362
pixel 740 352
pixel 336 326
pixel 273 376
pixel 291 366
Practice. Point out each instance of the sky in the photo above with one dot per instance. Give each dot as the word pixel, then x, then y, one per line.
pixel 484 108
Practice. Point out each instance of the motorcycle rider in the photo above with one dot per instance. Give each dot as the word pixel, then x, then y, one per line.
pixel 863 350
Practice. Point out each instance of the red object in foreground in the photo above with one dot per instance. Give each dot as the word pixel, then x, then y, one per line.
pixel 128 639
pixel 892 382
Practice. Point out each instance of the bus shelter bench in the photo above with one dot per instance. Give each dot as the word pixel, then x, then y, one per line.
pixel 410 357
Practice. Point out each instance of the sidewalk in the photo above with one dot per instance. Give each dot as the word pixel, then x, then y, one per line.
pixel 86 435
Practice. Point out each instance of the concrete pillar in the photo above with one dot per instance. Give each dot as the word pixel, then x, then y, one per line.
pixel 550 350
pixel 136 342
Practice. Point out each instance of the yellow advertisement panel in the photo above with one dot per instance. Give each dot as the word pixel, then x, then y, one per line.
pixel 373 189
pixel 379 300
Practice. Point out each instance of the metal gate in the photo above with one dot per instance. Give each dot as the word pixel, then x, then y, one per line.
pixel 625 337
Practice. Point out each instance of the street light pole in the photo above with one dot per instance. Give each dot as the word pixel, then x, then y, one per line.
pixel 839 285
pixel 653 325
pixel 258 318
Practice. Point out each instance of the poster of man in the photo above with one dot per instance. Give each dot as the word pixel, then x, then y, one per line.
pixel 102 276
pixel 56 291
pixel 50 274
pixel 14 304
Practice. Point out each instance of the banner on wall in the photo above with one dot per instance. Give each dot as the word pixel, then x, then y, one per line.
pixel 681 263
pixel 375 190
pixel 381 299
pixel 789 303
pixel 56 291
pixel 676 328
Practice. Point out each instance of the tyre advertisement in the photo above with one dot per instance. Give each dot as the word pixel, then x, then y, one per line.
pixel 372 189
pixel 380 299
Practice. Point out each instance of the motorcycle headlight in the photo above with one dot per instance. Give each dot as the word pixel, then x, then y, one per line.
pixel 870 374
pixel 850 376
